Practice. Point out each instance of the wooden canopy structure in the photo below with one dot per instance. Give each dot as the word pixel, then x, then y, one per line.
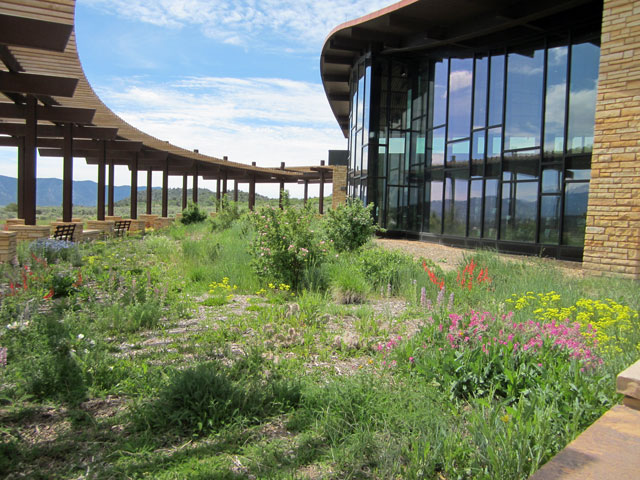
pixel 47 104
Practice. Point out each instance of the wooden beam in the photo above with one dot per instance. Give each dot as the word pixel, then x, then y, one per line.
pixel 89 145
pixel 52 114
pixel 338 60
pixel 133 211
pixel 90 155
pixel 32 33
pixel 338 97
pixel 9 60
pixel 55 131
pixel 37 84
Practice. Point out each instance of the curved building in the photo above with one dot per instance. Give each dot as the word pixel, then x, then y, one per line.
pixel 473 123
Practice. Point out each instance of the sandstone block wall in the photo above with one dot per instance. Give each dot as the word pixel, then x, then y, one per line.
pixel 339 186
pixel 612 237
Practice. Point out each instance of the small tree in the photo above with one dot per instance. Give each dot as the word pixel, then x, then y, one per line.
pixel 351 225
pixel 193 214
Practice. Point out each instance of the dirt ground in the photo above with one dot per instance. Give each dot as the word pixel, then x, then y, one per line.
pixel 448 258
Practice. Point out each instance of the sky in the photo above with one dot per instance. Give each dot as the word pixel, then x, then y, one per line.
pixel 239 78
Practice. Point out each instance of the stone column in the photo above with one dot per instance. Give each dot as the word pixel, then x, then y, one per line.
pixel 339 195
pixel 612 237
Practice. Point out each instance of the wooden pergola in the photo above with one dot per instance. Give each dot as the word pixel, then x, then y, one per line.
pixel 47 105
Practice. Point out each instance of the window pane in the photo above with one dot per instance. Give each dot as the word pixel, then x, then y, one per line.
pixel 460 80
pixel 398 112
pixel 480 92
pixel 554 115
pixel 365 160
pixel 519 211
pixel 521 165
pixel 437 147
pixel 477 153
pixel 491 209
pixel 455 203
pixel 550 219
pixel 494 146
pixel 435 217
pixel 361 95
pixel 367 104
pixel 475 209
pixel 585 58
pixel 413 218
pixel 440 93
pixel 419 95
pixel 551 180
pixel 392 209
pixel 496 87
pixel 382 162
pixel 524 100
pixel 458 154
pixel 575 213
pixel 417 149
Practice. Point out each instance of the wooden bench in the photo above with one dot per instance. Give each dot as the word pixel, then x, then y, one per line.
pixel 121 227
pixel 64 232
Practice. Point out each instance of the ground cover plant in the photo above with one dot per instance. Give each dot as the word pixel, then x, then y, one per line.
pixel 188 354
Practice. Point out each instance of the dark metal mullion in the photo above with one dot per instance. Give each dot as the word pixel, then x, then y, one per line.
pixel 566 140
pixel 388 131
pixel 486 145
pixel 545 72
pixel 470 162
pixel 446 143
pixel 502 140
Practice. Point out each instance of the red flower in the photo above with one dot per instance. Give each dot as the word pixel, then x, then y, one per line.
pixel 48 295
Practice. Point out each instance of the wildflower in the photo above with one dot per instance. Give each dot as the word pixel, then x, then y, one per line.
pixel 3 356
pixel 450 305
pixel 440 297
pixel 423 297
pixel 411 360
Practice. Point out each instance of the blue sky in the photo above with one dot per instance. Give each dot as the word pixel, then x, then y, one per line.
pixel 229 77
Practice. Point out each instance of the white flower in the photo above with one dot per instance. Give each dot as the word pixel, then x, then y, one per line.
pixel 80 336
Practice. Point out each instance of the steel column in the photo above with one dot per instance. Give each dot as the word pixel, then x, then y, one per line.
pixel 281 188
pixel 235 191
pixel 21 166
pixel 184 192
pixel 194 193
pixel 110 189
pixel 165 189
pixel 149 190
pixel 134 188
pixel 321 203
pixel 67 174
pixel 252 190
pixel 102 156
pixel 29 173
pixel 306 191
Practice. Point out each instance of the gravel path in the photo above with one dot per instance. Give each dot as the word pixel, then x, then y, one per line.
pixel 448 258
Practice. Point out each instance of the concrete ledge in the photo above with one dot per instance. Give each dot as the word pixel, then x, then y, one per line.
pixel 90 235
pixel 137 225
pixel 148 219
pixel 162 222
pixel 104 225
pixel 28 233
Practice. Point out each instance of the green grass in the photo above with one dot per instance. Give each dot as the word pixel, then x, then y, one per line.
pixel 141 372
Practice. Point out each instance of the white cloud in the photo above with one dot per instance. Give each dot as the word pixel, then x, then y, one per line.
pixel 460 79
pixel 245 22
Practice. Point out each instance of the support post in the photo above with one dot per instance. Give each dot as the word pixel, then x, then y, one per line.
pixel 149 190
pixel 101 173
pixel 165 189
pixel 184 192
pixel 252 190
pixel 194 193
pixel 218 188
pixel 224 183
pixel 110 189
pixel 321 203
pixel 134 188
pixel 281 188
pixel 235 191
pixel 29 174
pixel 306 191
pixel 67 174
pixel 21 167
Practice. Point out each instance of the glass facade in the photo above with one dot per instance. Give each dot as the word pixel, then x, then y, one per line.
pixel 492 148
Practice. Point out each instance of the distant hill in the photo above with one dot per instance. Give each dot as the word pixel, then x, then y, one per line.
pixel 85 193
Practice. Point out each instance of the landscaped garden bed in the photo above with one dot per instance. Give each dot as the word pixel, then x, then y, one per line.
pixel 282 345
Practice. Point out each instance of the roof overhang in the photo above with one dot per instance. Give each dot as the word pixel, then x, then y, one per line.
pixel 444 27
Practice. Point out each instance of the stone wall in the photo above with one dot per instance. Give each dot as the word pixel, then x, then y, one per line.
pixel 339 194
pixel 612 238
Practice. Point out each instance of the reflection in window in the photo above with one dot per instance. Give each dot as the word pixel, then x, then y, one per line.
pixel 460 80
pixel 437 147
pixel 367 103
pixel 392 209
pixel 519 211
pixel 555 115
pixel 575 213
pixel 496 86
pixel 494 147
pixel 551 180
pixel 480 92
pixel 585 59
pixel 490 209
pixel 475 209
pixel 435 207
pixel 458 154
pixel 524 100
pixel 440 93
pixel 455 203
pixel 550 219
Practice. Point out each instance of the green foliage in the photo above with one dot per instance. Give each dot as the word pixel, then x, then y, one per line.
pixel 193 214
pixel 201 399
pixel 286 244
pixel 53 251
pixel 383 268
pixel 226 213
pixel 348 283
pixel 350 226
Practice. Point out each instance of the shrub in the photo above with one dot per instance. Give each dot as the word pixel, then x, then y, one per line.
pixel 53 251
pixel 383 268
pixel 351 225
pixel 286 244
pixel 193 214
pixel 348 284
pixel 226 213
